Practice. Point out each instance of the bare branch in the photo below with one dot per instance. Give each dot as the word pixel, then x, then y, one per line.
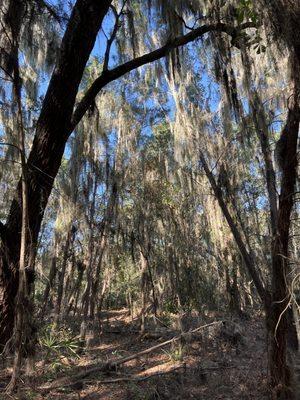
pixel 113 35
pixel 11 145
pixel 190 28
pixel 135 378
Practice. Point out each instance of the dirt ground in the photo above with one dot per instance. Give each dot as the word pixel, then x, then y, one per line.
pixel 227 362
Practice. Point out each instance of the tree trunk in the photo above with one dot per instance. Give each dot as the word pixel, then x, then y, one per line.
pixel 108 217
pixel 76 291
pixel 90 259
pixel 247 257
pixel 62 273
pixel 277 316
pixel 22 315
pixel 262 131
pixel 144 289
pixel 11 21
pixel 96 280
pixel 233 291
pixel 53 129
pixel 51 277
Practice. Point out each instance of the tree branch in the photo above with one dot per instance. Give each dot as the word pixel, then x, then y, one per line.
pixel 108 76
pixel 190 28
pixel 113 35
pixel 132 378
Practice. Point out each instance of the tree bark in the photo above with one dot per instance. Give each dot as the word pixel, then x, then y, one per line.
pixel 52 132
pixel 277 316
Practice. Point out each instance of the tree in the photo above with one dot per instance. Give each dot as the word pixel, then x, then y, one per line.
pixel 55 124
pixel 70 96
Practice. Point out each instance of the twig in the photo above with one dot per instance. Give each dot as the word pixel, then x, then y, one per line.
pixel 190 28
pixel 113 35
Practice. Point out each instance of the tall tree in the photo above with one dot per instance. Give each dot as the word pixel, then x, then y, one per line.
pixel 57 121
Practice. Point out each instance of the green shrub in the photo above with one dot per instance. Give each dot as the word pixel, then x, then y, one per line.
pixel 58 343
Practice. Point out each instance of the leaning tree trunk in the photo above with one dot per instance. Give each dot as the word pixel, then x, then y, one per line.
pixel 247 256
pixel 53 129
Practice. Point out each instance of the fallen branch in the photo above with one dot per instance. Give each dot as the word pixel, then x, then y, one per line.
pixel 141 378
pixel 112 365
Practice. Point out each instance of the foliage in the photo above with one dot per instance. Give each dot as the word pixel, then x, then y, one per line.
pixel 58 343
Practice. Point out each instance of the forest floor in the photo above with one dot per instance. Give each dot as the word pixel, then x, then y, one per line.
pixel 218 362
